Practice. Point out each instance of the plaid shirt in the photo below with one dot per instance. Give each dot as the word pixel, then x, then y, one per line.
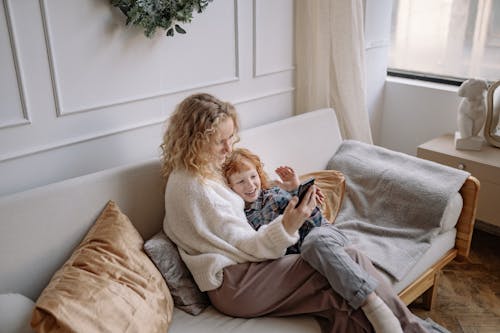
pixel 270 204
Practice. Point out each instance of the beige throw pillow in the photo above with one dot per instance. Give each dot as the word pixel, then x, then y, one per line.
pixel 332 184
pixel 107 285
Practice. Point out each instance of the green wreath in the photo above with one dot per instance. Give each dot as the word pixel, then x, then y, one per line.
pixel 164 14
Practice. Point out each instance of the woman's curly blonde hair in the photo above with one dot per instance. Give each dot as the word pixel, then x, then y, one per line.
pixel 189 133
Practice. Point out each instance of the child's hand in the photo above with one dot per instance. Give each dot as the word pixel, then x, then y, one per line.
pixel 289 179
pixel 320 197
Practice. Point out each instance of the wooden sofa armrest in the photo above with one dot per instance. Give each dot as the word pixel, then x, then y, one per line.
pixel 465 224
pixel 426 284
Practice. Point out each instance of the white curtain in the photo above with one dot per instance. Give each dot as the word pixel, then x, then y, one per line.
pixel 330 62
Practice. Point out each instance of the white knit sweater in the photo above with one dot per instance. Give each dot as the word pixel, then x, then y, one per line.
pixel 207 222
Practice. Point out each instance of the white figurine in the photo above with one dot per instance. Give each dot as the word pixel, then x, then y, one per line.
pixel 471 114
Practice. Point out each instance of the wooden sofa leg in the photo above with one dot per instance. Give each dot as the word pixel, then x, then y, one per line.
pixel 429 295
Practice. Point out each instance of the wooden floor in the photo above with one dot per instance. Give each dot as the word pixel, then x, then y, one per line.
pixel 468 299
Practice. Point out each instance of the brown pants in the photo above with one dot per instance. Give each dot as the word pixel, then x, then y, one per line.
pixel 284 287
pixel 290 286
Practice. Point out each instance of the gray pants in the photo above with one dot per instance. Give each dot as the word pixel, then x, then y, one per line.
pixel 351 274
pixel 324 249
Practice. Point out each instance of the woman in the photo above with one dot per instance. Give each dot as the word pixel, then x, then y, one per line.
pixel 223 252
pixel 230 260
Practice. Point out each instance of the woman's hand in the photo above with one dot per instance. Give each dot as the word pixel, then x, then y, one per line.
pixel 289 180
pixel 294 216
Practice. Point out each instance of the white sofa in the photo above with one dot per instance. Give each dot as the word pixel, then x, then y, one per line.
pixel 39 228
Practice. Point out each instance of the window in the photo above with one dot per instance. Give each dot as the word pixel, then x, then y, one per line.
pixel 446 39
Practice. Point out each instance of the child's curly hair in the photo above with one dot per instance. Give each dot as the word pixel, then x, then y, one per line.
pixel 236 163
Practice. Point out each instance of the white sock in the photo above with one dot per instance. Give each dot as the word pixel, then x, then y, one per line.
pixel 380 316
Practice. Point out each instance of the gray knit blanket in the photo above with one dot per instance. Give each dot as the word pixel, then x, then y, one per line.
pixel 393 203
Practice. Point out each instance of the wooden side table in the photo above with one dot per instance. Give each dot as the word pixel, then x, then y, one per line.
pixel 483 164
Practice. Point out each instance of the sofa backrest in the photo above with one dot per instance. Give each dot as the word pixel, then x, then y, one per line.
pixel 39 228
pixel 305 142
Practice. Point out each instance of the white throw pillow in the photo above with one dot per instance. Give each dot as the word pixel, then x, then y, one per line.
pixel 15 313
pixel 451 213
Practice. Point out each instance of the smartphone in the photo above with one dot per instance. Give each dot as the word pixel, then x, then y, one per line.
pixel 303 189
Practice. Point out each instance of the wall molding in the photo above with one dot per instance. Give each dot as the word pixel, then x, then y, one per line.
pixel 7 124
pixel 135 126
pixel 120 101
pixel 257 72
pixel 26 120
pixel 264 96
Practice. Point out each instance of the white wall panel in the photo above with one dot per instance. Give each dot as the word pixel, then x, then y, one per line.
pixel 96 63
pixel 13 108
pixel 72 160
pixel 415 112
pixel 273 41
pixel 99 92
pixel 260 110
pixel 97 152
pixel 377 42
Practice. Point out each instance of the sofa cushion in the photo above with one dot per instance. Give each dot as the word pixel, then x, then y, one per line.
pixel 185 293
pixel 15 313
pixel 332 184
pixel 212 321
pixel 107 285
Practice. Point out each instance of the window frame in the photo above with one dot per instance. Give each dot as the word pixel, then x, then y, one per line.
pixel 421 76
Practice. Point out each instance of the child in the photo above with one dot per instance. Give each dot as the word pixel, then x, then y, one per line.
pixel 245 175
